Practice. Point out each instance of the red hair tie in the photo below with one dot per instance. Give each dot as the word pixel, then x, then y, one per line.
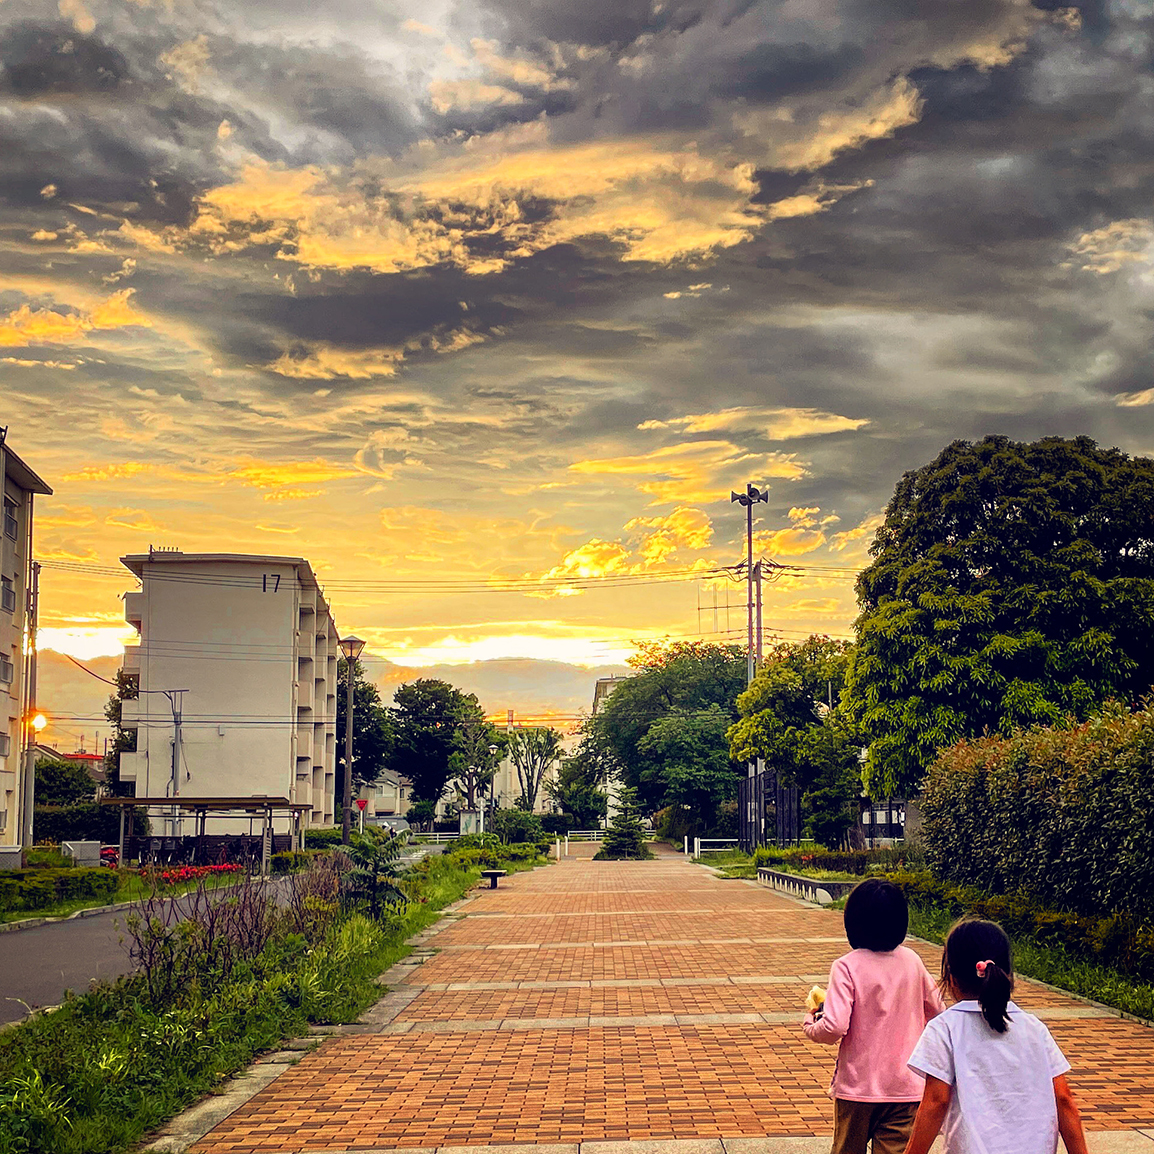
pixel 981 968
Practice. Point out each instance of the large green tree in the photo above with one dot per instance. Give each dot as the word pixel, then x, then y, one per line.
pixel 61 782
pixel 792 718
pixel 373 735
pixel 697 773
pixel 680 678
pixel 533 752
pixel 478 749
pixel 579 787
pixel 427 716
pixel 1011 584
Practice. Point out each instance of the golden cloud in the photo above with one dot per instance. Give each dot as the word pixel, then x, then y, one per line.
pixel 445 95
pixel 804 147
pixel 267 475
pixel 842 541
pixel 28 326
pixel 695 472
pixel 779 424
pixel 1115 245
pixel 326 363
pixel 789 542
pixel 685 528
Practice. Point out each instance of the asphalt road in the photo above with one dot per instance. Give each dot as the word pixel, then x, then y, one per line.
pixel 38 965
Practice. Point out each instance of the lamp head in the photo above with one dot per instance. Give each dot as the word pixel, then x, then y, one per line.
pixel 39 722
pixel 352 647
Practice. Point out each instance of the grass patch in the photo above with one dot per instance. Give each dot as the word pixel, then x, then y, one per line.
pixel 112 1066
pixel 1053 964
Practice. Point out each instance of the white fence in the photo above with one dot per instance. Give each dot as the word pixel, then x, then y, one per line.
pixel 585 835
pixel 703 845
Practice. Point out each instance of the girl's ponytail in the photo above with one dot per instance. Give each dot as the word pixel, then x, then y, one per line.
pixel 977 963
pixel 994 988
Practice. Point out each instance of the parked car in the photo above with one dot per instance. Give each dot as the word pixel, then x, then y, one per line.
pixel 387 821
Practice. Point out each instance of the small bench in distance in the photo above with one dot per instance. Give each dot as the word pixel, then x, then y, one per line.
pixel 492 875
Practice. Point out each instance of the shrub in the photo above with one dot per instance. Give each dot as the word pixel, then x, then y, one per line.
pixel 625 839
pixel 324 838
pixel 88 822
pixel 294 859
pixel 516 825
pixel 860 862
pixel 560 823
pixel 1063 813
pixel 1119 941
pixel 36 888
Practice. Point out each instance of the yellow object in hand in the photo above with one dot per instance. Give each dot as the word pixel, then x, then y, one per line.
pixel 815 1000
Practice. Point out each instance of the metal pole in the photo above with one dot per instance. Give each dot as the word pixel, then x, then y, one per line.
pixel 120 845
pixel 30 753
pixel 347 793
pixel 757 576
pixel 749 582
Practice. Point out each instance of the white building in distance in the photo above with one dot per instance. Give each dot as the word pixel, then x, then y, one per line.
pixel 19 485
pixel 251 642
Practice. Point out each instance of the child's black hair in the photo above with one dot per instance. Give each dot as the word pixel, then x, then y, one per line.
pixel 974 944
pixel 876 915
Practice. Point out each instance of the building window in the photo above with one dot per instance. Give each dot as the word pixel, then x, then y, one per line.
pixel 7 670
pixel 5 744
pixel 7 595
pixel 11 525
pixel 3 820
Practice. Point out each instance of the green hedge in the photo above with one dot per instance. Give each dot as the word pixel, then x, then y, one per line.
pixel 324 838
pixel 34 889
pixel 1062 814
pixel 860 862
pixel 292 860
pixel 1118 941
pixel 86 822
pixel 492 857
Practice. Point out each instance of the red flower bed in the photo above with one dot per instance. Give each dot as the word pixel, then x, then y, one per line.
pixel 178 874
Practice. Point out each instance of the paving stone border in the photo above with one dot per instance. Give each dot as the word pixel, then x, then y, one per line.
pixel 1098 1142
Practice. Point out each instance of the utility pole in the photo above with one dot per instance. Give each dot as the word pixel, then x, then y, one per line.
pixel 176 703
pixel 352 648
pixel 757 579
pixel 747 500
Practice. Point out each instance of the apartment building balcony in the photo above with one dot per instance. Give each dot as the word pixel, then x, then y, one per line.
pixel 131 662
pixel 134 609
pixel 305 694
pixel 132 711
pixel 132 766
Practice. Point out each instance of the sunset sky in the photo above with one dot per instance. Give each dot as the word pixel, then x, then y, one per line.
pixel 436 293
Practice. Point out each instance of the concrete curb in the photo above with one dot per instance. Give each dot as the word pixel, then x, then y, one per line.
pixel 88 912
pixel 1098 1141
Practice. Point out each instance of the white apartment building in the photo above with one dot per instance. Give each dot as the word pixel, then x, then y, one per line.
pixel 20 486
pixel 251 643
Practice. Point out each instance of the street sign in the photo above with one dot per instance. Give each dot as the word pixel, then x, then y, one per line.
pixel 362 802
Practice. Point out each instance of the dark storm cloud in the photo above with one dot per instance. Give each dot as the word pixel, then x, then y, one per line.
pixel 36 60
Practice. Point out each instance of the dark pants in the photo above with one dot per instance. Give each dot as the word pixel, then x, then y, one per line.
pixel 886 1124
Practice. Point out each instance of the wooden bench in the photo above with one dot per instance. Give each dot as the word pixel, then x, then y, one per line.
pixel 492 875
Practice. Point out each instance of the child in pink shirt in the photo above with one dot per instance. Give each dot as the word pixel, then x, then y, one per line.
pixel 879 998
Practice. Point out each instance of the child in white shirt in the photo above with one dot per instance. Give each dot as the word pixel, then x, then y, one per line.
pixel 994 1075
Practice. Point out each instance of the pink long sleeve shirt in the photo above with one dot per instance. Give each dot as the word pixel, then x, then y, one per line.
pixel 876 1006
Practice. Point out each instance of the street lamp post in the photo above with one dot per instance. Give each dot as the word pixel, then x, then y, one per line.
pixel 351 647
pixel 36 725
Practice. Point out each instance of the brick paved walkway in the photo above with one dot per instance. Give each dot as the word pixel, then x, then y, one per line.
pixel 593 1001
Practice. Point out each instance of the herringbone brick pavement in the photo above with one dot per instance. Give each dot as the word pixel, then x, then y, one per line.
pixel 631 1001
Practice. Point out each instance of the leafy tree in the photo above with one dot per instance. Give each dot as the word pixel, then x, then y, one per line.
pixel 693 754
pixel 421 813
pixel 427 715
pixel 373 735
pixel 60 782
pixel 534 752
pixel 123 740
pixel 376 868
pixel 790 719
pixel 479 746
pixel 682 677
pixel 516 825
pixel 578 786
pixel 625 839
pixel 1012 584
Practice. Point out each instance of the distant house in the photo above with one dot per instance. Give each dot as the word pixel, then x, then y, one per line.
pixel 92 762
pixel 604 686
pixel 389 796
